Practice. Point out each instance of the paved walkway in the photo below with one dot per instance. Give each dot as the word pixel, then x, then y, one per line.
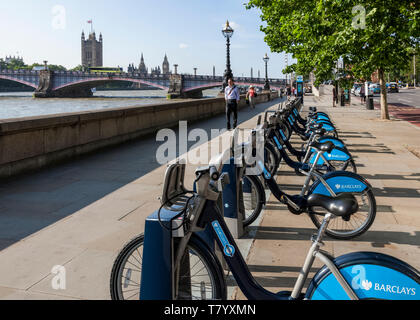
pixel 79 215
pixel 382 154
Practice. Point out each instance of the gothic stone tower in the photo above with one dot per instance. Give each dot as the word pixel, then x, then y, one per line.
pixel 92 51
pixel 165 65
pixel 142 66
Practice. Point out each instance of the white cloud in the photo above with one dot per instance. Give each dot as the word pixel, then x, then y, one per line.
pixel 234 25
pixel 183 46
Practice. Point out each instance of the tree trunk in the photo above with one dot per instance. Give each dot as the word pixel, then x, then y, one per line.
pixel 384 99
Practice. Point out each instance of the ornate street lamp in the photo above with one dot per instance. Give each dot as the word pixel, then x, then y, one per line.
pixel 227 33
pixel 267 84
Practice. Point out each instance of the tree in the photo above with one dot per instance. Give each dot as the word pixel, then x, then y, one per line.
pixel 78 68
pixel 369 35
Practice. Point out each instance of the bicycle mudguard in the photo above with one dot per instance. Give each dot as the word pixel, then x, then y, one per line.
pixel 371 275
pixel 337 142
pixel 340 182
pixel 327 126
pixel 337 154
pixel 322 117
pixel 324 122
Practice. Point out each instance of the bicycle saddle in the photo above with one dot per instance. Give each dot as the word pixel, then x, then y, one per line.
pixel 344 204
pixel 323 146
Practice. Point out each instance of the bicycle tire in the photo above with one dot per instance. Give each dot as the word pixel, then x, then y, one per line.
pixel 197 245
pixel 271 159
pixel 259 201
pixel 350 234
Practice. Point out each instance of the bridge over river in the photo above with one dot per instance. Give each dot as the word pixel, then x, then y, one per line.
pixel 63 84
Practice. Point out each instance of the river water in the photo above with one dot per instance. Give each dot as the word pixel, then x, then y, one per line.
pixel 22 104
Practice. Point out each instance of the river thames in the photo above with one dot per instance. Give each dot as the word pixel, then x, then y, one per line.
pixel 22 104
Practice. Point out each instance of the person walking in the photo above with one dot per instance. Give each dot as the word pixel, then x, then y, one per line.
pixel 362 94
pixel 232 97
pixel 251 97
pixel 334 96
pixel 289 91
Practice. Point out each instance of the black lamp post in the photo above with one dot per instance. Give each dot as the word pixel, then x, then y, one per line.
pixel 266 84
pixel 227 33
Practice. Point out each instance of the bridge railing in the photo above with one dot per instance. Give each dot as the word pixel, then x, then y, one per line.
pixel 19 72
pixel 144 76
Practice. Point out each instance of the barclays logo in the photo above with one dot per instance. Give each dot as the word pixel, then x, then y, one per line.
pixel 348 186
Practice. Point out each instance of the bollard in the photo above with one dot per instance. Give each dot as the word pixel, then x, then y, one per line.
pixel 369 103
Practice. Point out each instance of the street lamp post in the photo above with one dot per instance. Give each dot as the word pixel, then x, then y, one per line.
pixel 195 72
pixel 267 84
pixel 227 33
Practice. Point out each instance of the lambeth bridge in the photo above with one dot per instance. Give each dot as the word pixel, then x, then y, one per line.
pixel 61 84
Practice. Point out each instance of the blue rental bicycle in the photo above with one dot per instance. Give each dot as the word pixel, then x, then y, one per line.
pixel 174 259
pixel 332 183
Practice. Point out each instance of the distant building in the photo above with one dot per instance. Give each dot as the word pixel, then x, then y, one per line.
pixel 142 69
pixel 9 59
pixel 165 65
pixel 92 50
pixel 142 66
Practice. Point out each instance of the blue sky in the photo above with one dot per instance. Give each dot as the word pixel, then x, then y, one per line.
pixel 188 31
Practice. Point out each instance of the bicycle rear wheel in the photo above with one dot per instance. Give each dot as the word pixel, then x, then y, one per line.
pixel 348 227
pixel 253 198
pixel 202 279
pixel 271 159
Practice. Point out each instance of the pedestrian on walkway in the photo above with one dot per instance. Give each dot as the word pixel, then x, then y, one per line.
pixel 251 97
pixel 232 97
pixel 362 94
pixel 334 96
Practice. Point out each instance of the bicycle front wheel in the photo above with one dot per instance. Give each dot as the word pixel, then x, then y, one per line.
pixel 201 276
pixel 348 227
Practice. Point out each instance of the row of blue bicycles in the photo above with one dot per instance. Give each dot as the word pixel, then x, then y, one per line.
pixel 186 243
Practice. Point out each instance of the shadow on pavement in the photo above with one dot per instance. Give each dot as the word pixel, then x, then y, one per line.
pixel 377 238
pixel 33 201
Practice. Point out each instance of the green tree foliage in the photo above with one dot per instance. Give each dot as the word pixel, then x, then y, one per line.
pixel 369 35
pixel 78 68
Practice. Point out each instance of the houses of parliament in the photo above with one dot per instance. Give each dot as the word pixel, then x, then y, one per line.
pixel 142 69
pixel 92 56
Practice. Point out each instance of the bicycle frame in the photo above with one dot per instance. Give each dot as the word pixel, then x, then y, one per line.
pixel 209 215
